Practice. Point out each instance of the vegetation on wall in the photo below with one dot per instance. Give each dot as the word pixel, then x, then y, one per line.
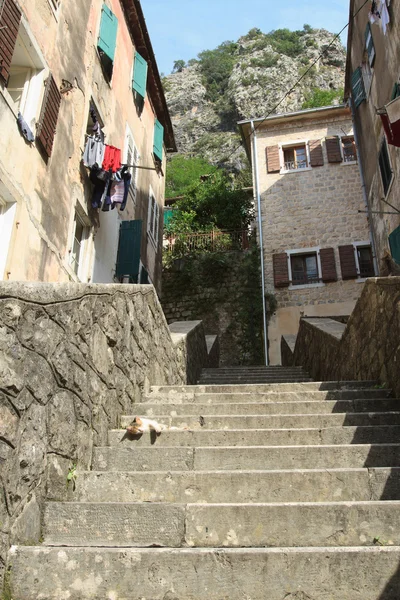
pixel 183 172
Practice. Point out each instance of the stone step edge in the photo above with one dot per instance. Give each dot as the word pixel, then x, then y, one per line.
pixel 329 385
pixel 238 472
pixel 217 448
pixel 245 415
pixel 296 429
pixel 230 505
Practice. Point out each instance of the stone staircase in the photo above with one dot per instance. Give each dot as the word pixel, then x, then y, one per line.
pixel 276 492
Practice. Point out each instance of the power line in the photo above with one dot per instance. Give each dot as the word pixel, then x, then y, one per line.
pixel 292 89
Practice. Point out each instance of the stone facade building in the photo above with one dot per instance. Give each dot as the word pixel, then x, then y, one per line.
pixel 317 249
pixel 59 61
pixel 373 81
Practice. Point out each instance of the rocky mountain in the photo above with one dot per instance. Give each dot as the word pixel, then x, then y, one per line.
pixel 247 79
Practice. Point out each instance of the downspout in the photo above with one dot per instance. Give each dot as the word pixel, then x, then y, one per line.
pixel 364 190
pixel 260 233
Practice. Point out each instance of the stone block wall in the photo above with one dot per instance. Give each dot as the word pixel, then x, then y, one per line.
pixel 73 359
pixel 368 347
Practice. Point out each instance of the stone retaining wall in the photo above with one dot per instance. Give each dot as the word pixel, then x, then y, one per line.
pixel 73 359
pixel 368 347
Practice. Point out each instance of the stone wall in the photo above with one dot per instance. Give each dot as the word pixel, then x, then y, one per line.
pixel 73 359
pixel 368 347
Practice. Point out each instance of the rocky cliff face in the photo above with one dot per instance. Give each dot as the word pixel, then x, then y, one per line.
pixel 261 69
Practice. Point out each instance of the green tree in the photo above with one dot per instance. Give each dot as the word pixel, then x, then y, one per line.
pixel 178 67
pixel 318 97
pixel 216 67
pixel 183 172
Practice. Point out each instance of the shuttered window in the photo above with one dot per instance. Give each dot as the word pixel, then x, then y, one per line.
pixel 328 264
pixel 139 75
pixel 316 156
pixel 281 270
pixel 128 257
pixel 394 242
pixel 369 44
pixel 153 218
pixel 348 262
pixel 273 162
pixel 333 149
pixel 304 269
pixel 107 40
pixel 132 157
pixel 49 114
pixel 158 140
pixel 10 18
pixel 357 87
pixel 384 166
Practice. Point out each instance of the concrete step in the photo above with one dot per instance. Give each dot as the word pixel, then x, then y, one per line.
pixel 252 380
pixel 259 437
pixel 268 408
pixel 324 485
pixel 221 525
pixel 249 421
pixel 271 396
pixel 136 458
pixel 358 573
pixel 168 390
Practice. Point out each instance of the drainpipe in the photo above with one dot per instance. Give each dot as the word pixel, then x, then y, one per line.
pixel 260 232
pixel 364 190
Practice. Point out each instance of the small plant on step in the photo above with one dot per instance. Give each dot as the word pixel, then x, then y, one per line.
pixel 72 476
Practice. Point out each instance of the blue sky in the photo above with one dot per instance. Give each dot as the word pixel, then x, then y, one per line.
pixel 181 29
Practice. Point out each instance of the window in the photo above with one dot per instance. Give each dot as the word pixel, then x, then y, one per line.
pixel 358 91
pixel 107 41
pixel 153 218
pixel 80 236
pixel 158 140
pixel 385 167
pixel 55 4
pixel 295 158
pixel 7 215
pixel 304 268
pixel 349 149
pixel 25 79
pixel 132 157
pixel 365 266
pixel 394 242
pixel 369 45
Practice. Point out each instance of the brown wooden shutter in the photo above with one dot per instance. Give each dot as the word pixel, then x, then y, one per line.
pixel 273 162
pixel 348 262
pixel 328 264
pixel 333 149
pixel 281 271
pixel 9 24
pixel 49 115
pixel 316 156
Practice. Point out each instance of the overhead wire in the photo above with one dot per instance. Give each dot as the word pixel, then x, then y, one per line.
pixel 292 89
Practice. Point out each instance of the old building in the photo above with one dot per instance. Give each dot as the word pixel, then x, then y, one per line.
pixel 372 81
pixel 316 240
pixel 77 73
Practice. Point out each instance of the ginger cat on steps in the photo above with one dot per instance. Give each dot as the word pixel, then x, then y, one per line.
pixel 141 425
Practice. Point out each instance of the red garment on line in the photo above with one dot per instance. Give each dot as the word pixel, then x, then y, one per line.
pixel 112 159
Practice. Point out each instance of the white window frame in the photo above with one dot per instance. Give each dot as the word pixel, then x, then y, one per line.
pixel 82 274
pixel 314 250
pixel 33 90
pixel 384 140
pixel 153 224
pixel 130 140
pixel 7 218
pixel 366 244
pixel 287 146
pixel 349 162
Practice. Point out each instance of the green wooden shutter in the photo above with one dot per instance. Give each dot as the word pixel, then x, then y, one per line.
pixel 108 33
pixel 158 139
pixel 128 257
pixel 357 86
pixel 369 41
pixel 394 241
pixel 395 91
pixel 139 75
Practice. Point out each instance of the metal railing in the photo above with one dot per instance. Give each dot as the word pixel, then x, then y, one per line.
pixel 291 165
pixel 213 241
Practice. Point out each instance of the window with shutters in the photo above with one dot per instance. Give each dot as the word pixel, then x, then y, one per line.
pixel 369 45
pixel 356 261
pixel 385 167
pixel 295 157
pixel 24 75
pixel 305 268
pixel 107 41
pixel 79 246
pixel 7 218
pixel 365 263
pixel 153 218
pixel 158 141
pixel 132 157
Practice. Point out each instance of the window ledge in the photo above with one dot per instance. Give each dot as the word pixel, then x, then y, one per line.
pixel 349 162
pixel 306 286
pixel 283 172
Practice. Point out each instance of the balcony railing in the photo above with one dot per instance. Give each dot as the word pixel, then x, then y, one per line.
pixel 291 165
pixel 213 241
